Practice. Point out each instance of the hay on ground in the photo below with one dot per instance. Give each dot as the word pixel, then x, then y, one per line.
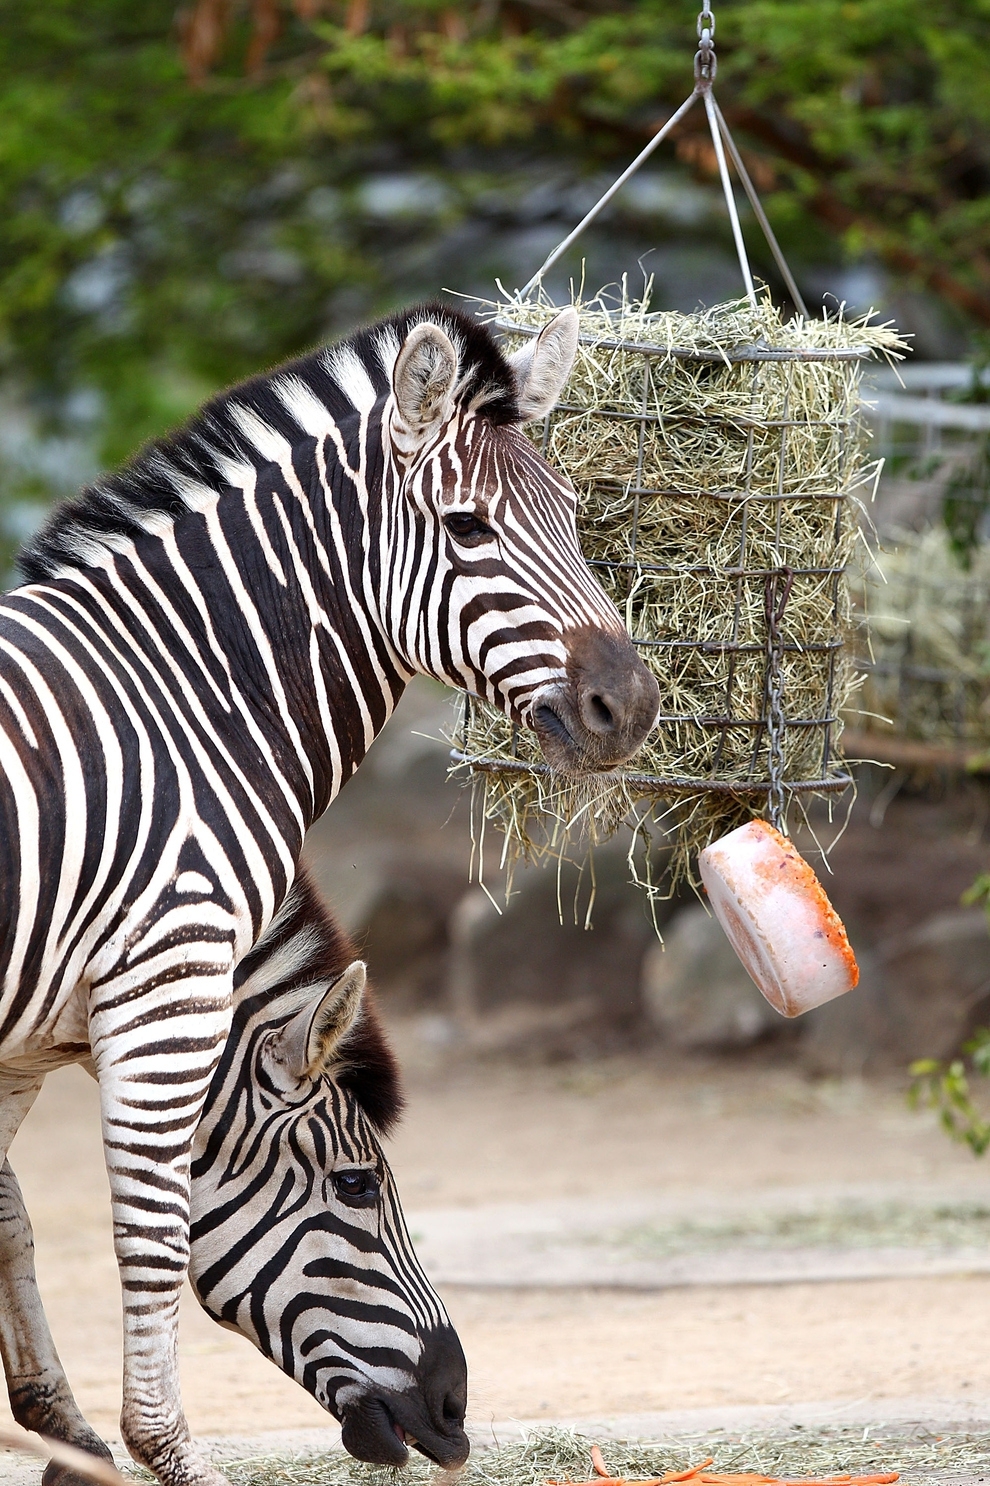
pixel 560 1454
pixel 709 453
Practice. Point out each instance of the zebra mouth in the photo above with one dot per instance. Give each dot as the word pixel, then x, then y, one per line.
pixel 372 1432
pixel 561 740
pixel 566 744
pixel 550 725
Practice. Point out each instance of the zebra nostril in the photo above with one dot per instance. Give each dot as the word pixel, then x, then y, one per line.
pixel 598 716
pixel 453 1408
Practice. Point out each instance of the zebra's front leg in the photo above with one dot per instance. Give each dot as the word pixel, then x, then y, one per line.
pixel 155 1051
pixel 40 1396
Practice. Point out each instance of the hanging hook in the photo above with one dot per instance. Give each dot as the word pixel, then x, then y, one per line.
pixel 705 61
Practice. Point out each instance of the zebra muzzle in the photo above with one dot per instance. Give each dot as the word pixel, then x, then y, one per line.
pixel 381 1426
pixel 600 715
pixel 372 1432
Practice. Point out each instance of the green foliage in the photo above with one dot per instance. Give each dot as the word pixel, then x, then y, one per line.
pixel 873 116
pixel 979 892
pixel 945 1087
pixel 176 212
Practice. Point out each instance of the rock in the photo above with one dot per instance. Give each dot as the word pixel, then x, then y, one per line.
pixel 522 979
pixel 921 994
pixel 696 992
pixel 938 982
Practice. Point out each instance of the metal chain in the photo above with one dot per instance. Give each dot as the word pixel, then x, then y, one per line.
pixel 705 62
pixel 777 591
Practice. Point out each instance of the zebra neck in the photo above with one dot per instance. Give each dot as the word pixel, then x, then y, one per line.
pixel 263 596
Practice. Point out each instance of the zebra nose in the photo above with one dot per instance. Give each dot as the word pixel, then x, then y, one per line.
pixel 442 1373
pixel 612 704
pixel 454 1409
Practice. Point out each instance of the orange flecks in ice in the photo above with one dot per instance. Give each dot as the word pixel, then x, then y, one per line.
pixel 793 869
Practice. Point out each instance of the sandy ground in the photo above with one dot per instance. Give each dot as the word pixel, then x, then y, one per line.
pixel 478 1135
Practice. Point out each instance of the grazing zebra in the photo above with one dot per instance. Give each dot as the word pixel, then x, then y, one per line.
pixel 205 647
pixel 297 1236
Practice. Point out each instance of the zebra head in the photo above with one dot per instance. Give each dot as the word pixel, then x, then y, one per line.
pixel 484 585
pixel 297 1237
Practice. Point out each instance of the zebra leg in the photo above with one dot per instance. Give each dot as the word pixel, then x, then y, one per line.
pixel 40 1396
pixel 155 1062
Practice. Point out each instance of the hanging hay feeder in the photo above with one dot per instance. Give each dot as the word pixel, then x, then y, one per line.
pixel 717 458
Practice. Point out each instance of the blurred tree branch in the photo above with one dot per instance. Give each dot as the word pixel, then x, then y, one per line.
pixel 179 188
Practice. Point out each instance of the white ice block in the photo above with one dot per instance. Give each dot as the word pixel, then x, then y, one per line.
pixel 777 918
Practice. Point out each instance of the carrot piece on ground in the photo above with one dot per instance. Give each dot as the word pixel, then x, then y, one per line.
pixel 611 1481
pixel 689 1474
pixel 601 1481
pixel 700 1475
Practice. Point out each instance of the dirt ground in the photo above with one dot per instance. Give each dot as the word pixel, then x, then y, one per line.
pixel 479 1134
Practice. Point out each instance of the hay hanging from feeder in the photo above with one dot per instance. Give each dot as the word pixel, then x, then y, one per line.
pixel 716 458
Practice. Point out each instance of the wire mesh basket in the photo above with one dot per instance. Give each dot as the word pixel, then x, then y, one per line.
pixel 716 458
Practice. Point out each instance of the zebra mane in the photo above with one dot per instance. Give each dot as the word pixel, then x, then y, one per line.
pixel 302 945
pixel 235 433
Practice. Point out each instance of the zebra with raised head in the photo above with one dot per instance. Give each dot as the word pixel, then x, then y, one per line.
pixel 206 645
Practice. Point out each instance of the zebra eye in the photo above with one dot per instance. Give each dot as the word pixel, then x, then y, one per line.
pixel 464 526
pixel 358 1187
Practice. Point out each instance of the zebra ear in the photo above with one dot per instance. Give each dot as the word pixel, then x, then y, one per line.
pixel 307 1045
pixel 542 366
pixel 423 380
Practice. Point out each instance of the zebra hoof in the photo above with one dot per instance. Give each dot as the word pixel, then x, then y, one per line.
pixel 61 1475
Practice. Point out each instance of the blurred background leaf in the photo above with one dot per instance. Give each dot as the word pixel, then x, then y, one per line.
pixel 188 195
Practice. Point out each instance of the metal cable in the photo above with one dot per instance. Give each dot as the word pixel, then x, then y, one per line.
pixel 776 593
pixel 705 69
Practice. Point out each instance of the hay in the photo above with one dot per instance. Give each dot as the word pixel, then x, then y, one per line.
pixel 558 1454
pixel 708 451
pixel 924 641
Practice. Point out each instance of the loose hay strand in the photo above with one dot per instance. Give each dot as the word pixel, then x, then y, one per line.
pixel 708 452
